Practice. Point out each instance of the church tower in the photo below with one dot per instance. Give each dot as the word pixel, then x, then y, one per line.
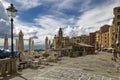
pixel 60 33
pixel 46 44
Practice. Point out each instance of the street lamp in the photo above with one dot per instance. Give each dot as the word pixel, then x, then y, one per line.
pixel 11 13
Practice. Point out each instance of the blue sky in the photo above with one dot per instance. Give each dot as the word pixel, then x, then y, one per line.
pixel 41 18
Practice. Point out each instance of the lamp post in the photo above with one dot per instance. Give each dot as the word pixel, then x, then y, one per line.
pixel 11 13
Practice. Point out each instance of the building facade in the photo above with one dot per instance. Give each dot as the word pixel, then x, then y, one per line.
pixel 116 24
pixel 104 30
pixel 111 36
pixel 59 41
pixel 98 40
pixel 92 38
pixel 80 39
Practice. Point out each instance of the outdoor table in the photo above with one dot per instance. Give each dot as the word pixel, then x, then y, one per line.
pixel 35 63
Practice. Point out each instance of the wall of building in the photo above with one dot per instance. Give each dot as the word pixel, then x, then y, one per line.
pixel 92 38
pixel 97 40
pixel 116 24
pixel 105 40
pixel 111 36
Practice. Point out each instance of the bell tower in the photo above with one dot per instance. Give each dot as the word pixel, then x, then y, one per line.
pixel 60 33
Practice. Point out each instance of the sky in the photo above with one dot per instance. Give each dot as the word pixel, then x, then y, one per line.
pixel 40 18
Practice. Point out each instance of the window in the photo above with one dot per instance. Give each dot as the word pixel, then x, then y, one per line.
pixel 118 17
pixel 118 10
pixel 118 28
pixel 116 36
pixel 118 23
pixel 112 38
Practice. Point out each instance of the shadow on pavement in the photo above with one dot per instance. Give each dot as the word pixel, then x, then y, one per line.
pixel 8 77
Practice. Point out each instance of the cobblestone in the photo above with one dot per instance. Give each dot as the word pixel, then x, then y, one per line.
pixel 73 74
pixel 91 67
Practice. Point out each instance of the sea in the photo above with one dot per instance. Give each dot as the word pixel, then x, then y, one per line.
pixel 36 47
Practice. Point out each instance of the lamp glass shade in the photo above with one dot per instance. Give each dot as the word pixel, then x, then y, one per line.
pixel 11 11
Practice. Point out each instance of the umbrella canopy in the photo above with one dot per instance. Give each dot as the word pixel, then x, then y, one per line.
pixel 6 42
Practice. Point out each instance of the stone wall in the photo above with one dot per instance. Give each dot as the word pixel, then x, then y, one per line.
pixel 7 66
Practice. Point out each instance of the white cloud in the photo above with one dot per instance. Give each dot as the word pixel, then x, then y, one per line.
pixel 4 22
pixel 5 3
pixel 66 4
pixel 71 4
pixel 97 17
pixel 27 4
pixel 48 25
pixel 51 23
pixel 28 29
pixel 48 22
pixel 90 21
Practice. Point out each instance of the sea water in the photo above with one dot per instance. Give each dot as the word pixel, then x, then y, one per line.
pixel 26 47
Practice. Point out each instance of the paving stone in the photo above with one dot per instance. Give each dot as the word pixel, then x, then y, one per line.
pixel 70 69
pixel 72 74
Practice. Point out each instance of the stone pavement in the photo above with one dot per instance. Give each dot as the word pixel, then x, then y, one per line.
pixel 90 67
pixel 61 73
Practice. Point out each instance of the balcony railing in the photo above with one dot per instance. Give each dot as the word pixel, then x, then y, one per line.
pixel 7 66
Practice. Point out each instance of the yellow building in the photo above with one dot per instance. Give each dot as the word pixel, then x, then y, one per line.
pixel 80 39
pixel 104 36
pixel 75 40
pixel 98 40
pixel 111 36
pixel 105 40
pixel 66 42
pixel 84 39
pixel 55 41
pixel 60 41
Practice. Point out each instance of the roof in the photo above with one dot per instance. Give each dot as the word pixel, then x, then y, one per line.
pixel 69 47
pixel 85 45
pixel 104 28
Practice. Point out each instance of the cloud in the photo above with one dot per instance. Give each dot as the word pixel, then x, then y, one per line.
pixel 4 22
pixel 52 23
pixel 25 4
pixel 76 17
pixel 66 4
pixel 71 5
pixel 96 17
pixel 28 31
pixel 5 3
pixel 84 5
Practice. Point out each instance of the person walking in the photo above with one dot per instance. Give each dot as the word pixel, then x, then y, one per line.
pixel 114 54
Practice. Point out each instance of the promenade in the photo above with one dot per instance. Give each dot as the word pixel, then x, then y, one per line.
pixel 89 67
